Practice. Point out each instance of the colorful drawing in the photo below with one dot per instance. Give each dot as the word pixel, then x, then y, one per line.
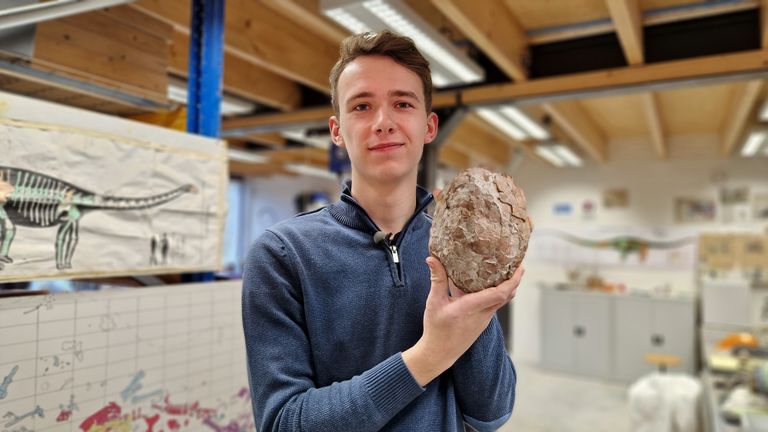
pixel 28 198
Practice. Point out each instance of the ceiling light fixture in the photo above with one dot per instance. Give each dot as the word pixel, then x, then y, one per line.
pixel 177 92
pixel 754 141
pixel 558 155
pixel 513 122
pixel 449 65
pixel 46 11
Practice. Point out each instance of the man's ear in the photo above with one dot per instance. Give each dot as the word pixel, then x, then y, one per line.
pixel 431 128
pixel 335 126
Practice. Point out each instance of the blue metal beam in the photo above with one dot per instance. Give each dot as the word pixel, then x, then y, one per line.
pixel 206 59
pixel 206 62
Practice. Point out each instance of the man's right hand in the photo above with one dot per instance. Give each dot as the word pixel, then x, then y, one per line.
pixel 453 322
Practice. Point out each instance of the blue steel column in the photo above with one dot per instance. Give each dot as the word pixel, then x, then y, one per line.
pixel 206 61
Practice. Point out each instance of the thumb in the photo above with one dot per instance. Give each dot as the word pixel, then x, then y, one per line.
pixel 437 278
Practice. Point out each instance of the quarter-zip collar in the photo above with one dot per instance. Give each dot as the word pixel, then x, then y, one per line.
pixel 350 213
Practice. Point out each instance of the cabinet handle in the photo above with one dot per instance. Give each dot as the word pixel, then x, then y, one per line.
pixel 579 331
pixel 657 340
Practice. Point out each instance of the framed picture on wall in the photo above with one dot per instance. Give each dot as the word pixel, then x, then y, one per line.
pixel 692 210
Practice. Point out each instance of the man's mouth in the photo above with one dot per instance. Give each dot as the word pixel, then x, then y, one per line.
pixel 386 146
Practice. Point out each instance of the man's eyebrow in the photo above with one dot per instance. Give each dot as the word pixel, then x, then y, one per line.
pixel 404 93
pixel 361 95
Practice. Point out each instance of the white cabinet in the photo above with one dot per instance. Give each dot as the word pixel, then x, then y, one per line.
pixel 647 325
pixel 607 336
pixel 576 332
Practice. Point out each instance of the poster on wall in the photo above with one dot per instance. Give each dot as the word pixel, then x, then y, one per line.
pixel 161 359
pixel 694 210
pixel 75 201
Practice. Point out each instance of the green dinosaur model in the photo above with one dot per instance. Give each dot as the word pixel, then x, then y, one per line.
pixel 31 199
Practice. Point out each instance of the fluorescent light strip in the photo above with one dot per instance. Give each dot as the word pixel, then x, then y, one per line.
pixel 431 48
pixel 549 155
pixel 754 141
pixel 764 112
pixel 347 20
pixel 502 123
pixel 567 155
pixel 177 92
pixel 309 170
pixel 521 119
pixel 320 141
pixel 246 156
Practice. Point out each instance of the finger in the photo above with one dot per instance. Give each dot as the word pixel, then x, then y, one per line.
pixel 436 192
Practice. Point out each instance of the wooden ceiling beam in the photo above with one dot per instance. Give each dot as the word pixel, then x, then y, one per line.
pixel 240 77
pixel 308 15
pixel 567 87
pixel 628 21
pixel 743 102
pixel 577 124
pixel 629 78
pixel 655 126
pixel 494 29
pixel 247 169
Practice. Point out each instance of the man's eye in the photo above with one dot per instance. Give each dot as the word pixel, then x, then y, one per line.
pixel 360 107
pixel 404 105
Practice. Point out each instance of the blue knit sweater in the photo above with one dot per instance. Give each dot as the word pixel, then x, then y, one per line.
pixel 327 313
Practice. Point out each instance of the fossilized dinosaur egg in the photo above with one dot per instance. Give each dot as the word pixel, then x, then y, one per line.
pixel 480 229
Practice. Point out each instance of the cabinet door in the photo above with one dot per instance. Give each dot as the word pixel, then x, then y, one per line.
pixel 593 331
pixel 634 324
pixel 673 331
pixel 557 331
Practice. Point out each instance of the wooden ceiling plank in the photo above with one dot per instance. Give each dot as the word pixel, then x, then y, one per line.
pixel 271 139
pixel 627 19
pixel 652 115
pixel 575 122
pixel 250 29
pixel 764 23
pixel 494 30
pixel 307 14
pixel 742 106
pixel 257 169
pixel 240 77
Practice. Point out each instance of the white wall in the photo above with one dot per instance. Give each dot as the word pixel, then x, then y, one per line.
pixel 272 199
pixel 693 169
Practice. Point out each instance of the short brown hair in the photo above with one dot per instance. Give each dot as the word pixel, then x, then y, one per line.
pixel 401 49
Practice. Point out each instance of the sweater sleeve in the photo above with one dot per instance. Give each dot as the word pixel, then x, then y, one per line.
pixel 485 380
pixel 280 369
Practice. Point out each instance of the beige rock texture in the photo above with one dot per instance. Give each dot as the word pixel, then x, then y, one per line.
pixel 480 229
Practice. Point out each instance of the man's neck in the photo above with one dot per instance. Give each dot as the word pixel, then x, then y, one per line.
pixel 389 205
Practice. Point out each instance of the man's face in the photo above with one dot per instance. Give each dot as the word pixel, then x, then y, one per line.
pixel 382 120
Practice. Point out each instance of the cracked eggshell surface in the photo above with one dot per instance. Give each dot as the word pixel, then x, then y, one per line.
pixel 481 229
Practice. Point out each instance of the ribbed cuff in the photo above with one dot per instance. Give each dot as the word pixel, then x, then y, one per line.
pixel 391 385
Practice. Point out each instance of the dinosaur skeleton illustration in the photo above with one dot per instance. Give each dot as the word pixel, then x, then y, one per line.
pixel 31 199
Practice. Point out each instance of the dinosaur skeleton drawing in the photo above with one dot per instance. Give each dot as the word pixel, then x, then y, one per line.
pixel 626 244
pixel 32 199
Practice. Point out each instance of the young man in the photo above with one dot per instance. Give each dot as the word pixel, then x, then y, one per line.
pixel 349 330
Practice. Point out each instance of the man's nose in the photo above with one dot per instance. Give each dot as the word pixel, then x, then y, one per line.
pixel 384 122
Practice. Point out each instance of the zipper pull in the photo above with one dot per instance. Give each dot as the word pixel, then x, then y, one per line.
pixel 395 256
